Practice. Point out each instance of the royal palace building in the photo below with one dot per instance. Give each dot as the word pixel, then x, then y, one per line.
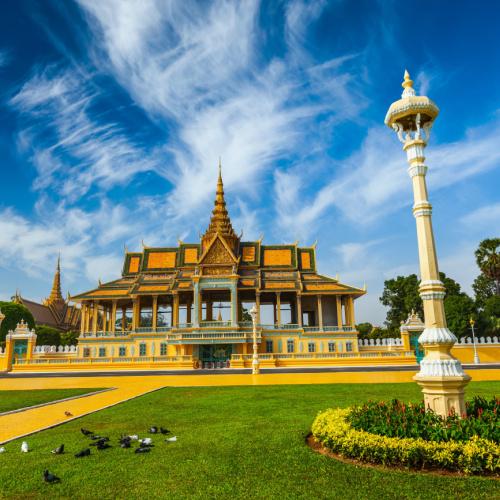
pixel 192 302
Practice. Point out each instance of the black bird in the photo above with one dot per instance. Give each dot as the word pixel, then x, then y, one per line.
pixel 125 444
pixel 50 478
pixel 103 445
pixel 142 450
pixel 86 432
pixel 153 430
pixel 95 437
pixel 83 453
pixel 100 441
pixel 59 450
pixel 165 431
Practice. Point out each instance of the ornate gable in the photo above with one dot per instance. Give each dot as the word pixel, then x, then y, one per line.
pixel 218 253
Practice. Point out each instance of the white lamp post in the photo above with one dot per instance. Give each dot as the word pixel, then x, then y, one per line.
pixel 255 358
pixel 441 375
pixel 476 357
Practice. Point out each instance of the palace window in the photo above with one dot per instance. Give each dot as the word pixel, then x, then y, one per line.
pixel 348 346
pixel 246 307
pixel 164 316
pixel 331 346
pixel 146 316
pixel 286 313
pixel 86 352
pixel 122 351
pixel 142 349
pixel 311 347
pixel 269 346
pixel 308 318
pixel 163 349
pixel 290 346
pixel 102 352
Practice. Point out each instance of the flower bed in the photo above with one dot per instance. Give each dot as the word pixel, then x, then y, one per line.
pixel 398 419
pixel 334 431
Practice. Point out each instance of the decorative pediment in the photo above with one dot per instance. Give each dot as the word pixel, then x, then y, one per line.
pixel 218 253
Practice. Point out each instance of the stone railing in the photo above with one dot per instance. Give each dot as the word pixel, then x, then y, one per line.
pixel 325 355
pixel 479 340
pixel 380 342
pixel 52 349
pixel 105 360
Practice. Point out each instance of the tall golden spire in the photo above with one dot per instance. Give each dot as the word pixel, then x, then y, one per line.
pixel 55 296
pixel 220 222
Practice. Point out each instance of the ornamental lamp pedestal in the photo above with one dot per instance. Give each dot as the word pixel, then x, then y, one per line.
pixel 441 376
pixel 255 357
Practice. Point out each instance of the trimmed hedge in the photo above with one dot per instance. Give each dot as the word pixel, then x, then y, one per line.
pixel 475 456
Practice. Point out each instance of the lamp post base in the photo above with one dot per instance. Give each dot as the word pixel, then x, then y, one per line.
pixel 444 395
pixel 255 368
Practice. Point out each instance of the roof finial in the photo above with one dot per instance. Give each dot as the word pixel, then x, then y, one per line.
pixel 55 296
pixel 407 86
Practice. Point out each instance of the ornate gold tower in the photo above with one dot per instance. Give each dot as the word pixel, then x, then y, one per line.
pixel 220 223
pixel 441 375
pixel 56 298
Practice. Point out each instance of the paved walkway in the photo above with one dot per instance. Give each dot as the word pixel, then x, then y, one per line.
pixel 127 387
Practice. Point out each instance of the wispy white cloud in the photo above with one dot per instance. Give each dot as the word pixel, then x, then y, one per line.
pixel 5 58
pixel 71 149
pixel 485 217
pixel 200 66
pixel 373 182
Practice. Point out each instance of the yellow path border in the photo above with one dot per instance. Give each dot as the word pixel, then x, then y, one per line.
pixel 20 424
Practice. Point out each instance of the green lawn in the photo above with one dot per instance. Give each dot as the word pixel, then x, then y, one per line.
pixel 233 442
pixel 13 400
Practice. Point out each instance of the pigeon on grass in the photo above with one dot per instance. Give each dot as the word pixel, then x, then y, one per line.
pixel 86 432
pixel 24 447
pixel 153 430
pixel 165 431
pixel 143 450
pixel 146 442
pixel 83 453
pixel 102 445
pixel 59 450
pixel 2 449
pixel 50 478
pixel 173 439
pixel 100 442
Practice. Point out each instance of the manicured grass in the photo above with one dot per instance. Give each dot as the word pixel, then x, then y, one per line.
pixel 13 400
pixel 233 442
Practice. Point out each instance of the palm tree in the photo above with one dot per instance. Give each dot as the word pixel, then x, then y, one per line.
pixel 488 260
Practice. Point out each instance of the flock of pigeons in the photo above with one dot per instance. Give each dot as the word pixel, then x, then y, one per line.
pixel 103 443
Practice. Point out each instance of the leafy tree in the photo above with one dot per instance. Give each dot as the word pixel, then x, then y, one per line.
pixel 459 309
pixel 488 260
pixel 484 288
pixel 47 335
pixel 14 313
pixel 69 338
pixel 491 315
pixel 364 329
pixel 401 296
pixel 380 333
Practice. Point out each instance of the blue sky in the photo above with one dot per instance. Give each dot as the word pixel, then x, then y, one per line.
pixel 113 115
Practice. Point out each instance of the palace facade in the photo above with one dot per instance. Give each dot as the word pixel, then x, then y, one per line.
pixel 191 302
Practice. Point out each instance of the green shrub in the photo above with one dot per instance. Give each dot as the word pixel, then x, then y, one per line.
pixel 14 313
pixel 398 419
pixel 332 429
